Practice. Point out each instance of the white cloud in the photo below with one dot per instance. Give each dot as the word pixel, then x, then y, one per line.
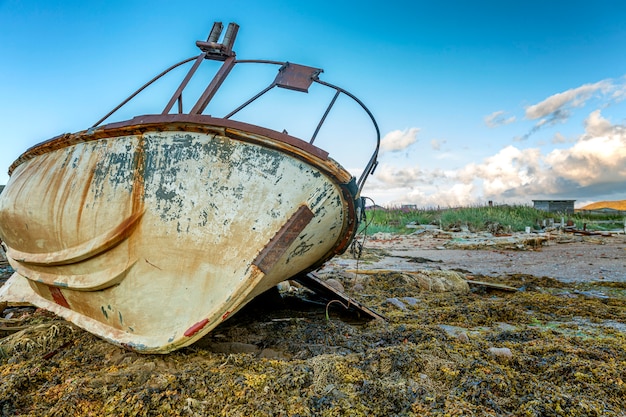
pixel 498 118
pixel 574 97
pixel 594 164
pixel 558 108
pixel 399 177
pixel 596 159
pixel 619 94
pixel 596 125
pixel 558 138
pixel 599 156
pixel 436 144
pixel 456 195
pixel 398 140
pixel 509 169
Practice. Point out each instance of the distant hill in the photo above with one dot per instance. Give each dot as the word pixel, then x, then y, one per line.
pixel 615 205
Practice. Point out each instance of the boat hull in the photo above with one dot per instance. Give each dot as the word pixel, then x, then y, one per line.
pixel 152 232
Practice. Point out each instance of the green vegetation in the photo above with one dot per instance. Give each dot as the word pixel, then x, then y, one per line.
pixel 502 218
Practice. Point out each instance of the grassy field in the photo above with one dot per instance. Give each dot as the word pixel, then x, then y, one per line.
pixel 504 218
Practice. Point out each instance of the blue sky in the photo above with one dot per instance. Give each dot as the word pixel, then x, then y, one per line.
pixel 476 101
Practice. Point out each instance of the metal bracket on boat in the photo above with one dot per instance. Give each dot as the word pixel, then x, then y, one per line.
pixel 296 77
pixel 219 51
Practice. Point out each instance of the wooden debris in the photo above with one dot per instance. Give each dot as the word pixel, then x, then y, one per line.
pixel 492 285
pixel 312 282
pixel 7 330
pixel 375 271
pixel 9 326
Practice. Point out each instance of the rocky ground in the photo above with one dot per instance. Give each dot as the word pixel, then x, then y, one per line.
pixel 567 257
pixel 547 339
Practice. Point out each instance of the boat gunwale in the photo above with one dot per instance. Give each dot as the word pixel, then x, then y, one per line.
pixel 232 129
pixel 140 124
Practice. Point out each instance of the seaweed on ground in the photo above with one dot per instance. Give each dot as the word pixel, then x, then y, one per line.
pixel 550 349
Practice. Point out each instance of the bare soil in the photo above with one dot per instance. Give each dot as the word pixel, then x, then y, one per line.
pixel 555 346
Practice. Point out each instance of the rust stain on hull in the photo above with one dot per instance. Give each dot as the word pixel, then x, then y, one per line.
pixel 279 244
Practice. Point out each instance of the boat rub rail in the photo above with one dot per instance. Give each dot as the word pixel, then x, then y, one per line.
pixel 182 122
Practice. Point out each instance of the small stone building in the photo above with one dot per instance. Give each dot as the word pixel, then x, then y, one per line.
pixel 555 206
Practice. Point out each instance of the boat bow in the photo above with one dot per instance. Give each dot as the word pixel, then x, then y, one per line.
pixel 150 232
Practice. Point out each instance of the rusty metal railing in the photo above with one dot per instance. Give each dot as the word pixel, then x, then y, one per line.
pixel 290 76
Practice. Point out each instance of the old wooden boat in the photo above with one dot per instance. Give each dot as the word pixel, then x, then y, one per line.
pixel 150 232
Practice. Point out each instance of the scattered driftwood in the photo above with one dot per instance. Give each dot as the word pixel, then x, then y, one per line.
pixel 417 259
pixel 585 232
pixel 492 285
pixel 8 326
pixel 374 271
pixel 7 330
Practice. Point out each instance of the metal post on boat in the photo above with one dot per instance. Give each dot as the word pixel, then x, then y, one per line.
pixel 221 52
pixel 178 94
pixel 211 49
pixel 212 88
pixel 321 122
pixel 216 31
pixel 229 37
pixel 214 49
